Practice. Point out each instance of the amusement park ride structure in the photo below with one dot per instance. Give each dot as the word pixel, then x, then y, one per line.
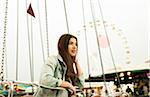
pixel 102 31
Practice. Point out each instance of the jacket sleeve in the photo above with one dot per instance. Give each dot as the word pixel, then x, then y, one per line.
pixel 80 81
pixel 47 74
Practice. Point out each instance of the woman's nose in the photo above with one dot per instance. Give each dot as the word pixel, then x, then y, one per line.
pixel 75 46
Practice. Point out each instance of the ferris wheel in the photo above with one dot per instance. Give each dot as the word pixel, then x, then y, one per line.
pixel 117 41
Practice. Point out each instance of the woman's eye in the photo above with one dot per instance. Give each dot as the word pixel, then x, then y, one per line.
pixel 71 43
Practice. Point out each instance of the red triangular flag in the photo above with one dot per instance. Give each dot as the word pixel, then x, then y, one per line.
pixel 30 11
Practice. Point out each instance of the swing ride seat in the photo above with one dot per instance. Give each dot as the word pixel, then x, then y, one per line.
pixel 45 91
pixel 53 90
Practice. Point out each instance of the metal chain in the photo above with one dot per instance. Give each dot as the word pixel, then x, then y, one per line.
pixel 4 43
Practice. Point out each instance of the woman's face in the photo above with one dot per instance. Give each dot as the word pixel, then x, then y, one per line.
pixel 72 47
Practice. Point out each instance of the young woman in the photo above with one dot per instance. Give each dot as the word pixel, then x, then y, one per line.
pixel 61 73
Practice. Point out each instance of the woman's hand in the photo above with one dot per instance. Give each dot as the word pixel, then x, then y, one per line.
pixel 72 90
pixel 69 86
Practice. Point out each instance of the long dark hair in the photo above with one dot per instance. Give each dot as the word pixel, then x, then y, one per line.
pixel 63 43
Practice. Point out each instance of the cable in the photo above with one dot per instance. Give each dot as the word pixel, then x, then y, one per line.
pixel 41 36
pixel 109 43
pixel 87 53
pixel 66 16
pixel 46 28
pixel 17 50
pixel 99 49
pixel 30 60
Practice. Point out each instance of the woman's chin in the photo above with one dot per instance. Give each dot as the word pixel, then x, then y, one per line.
pixel 73 54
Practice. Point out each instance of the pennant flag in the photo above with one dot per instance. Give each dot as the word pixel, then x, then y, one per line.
pixel 30 11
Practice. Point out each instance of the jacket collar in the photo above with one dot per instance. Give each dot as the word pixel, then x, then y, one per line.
pixel 60 58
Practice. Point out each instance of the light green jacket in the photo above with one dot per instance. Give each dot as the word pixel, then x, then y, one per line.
pixel 52 75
